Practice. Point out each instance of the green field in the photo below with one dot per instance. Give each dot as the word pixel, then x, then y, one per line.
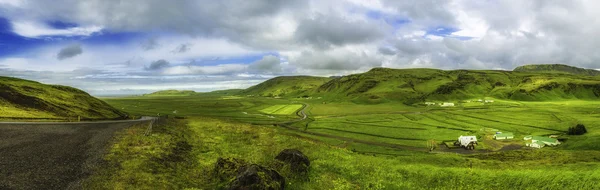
pixel 282 109
pixel 374 131
pixel 340 163
pixel 392 123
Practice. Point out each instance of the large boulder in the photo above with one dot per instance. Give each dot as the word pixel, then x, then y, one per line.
pixel 253 176
pixel 297 160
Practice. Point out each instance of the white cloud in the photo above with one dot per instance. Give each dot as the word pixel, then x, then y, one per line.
pixel 32 29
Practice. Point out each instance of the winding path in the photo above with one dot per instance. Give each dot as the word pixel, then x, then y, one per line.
pixel 54 155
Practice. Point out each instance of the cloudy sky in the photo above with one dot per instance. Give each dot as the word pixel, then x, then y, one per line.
pixel 137 46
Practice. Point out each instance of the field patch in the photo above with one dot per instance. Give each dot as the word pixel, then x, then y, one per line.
pixel 285 109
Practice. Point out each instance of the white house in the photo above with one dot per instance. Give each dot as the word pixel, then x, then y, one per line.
pixel 501 136
pixel 447 104
pixel 489 101
pixel 429 103
pixel 536 145
pixel 539 142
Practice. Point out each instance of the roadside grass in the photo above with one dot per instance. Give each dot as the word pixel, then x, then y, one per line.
pixel 182 154
pixel 24 99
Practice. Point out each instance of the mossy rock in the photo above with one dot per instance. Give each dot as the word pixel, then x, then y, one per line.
pixel 297 160
pixel 257 177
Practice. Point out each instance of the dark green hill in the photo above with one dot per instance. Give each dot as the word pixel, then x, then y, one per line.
pixel 557 68
pixel 286 86
pixel 29 99
pixel 172 93
pixel 417 85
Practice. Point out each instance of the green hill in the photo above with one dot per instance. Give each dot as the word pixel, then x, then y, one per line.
pixel 29 99
pixel 172 93
pixel 418 85
pixel 288 86
pixel 557 68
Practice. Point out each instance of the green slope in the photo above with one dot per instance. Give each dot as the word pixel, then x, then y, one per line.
pixel 288 86
pixel 418 85
pixel 172 93
pixel 28 99
pixel 557 68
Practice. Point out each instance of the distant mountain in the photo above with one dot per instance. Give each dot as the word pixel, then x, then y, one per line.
pixel 172 93
pixel 286 86
pixel 29 99
pixel 418 85
pixel 557 68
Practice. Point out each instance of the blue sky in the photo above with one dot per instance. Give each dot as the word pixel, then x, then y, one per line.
pixel 139 46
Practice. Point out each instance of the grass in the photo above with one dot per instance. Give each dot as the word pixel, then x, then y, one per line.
pixel 182 154
pixel 282 109
pixel 23 99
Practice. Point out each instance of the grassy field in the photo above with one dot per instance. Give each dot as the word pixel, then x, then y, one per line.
pixel 360 146
pixel 282 109
pixel 181 154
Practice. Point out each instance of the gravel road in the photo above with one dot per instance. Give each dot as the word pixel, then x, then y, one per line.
pixel 53 156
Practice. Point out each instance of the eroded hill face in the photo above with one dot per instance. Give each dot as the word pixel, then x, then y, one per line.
pixel 288 86
pixel 28 99
pixel 172 93
pixel 417 85
pixel 557 68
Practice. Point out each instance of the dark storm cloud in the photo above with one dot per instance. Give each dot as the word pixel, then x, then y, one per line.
pixel 324 31
pixel 150 44
pixel 182 48
pixel 159 64
pixel 386 50
pixel 336 60
pixel 268 64
pixel 69 51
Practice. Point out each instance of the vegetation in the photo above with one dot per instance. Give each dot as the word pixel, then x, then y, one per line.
pixel 579 129
pixel 288 86
pixel 557 68
pixel 180 155
pixel 282 109
pixel 410 86
pixel 172 93
pixel 24 99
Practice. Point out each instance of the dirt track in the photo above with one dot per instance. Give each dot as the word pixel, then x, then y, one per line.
pixel 52 156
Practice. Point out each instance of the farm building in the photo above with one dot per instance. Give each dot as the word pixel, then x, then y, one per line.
pixel 536 145
pixel 500 136
pixel 447 104
pixel 429 103
pixel 528 137
pixel 489 101
pixel 537 141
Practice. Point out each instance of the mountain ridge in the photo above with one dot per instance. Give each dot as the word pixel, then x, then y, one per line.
pixel 411 86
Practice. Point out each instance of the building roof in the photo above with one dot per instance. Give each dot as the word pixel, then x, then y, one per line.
pixel 504 135
pixel 545 139
pixel 540 143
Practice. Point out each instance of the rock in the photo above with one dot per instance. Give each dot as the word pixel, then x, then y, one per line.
pixel 297 160
pixel 257 177
pixel 226 168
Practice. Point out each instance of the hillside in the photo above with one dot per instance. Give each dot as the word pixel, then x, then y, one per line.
pixel 29 99
pixel 557 68
pixel 172 93
pixel 286 86
pixel 418 85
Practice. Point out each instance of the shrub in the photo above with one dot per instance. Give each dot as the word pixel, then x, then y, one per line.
pixel 579 129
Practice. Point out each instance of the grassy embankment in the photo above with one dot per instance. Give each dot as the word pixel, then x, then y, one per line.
pixel 29 100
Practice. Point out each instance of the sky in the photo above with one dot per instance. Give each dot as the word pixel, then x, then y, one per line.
pixel 117 47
